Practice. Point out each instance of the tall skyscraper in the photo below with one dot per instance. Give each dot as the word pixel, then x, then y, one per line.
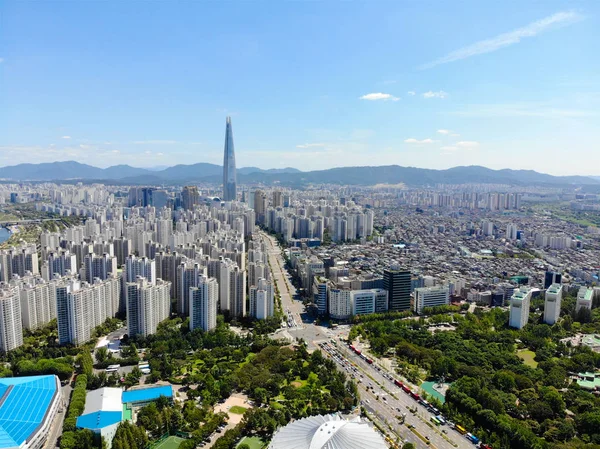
pixel 519 308
pixel 229 174
pixel 397 283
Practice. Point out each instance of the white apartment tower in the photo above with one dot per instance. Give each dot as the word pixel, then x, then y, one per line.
pixel 203 301
pixel 262 299
pixel 519 308
pixel 147 305
pixel 11 330
pixel 552 303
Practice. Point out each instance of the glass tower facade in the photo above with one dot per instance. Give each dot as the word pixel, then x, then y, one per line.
pixel 229 172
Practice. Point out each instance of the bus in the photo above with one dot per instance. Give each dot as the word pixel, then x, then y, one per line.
pixel 472 438
pixel 460 429
pixel 435 421
pixel 113 367
pixel 111 370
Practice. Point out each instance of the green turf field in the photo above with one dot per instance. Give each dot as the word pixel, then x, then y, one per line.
pixel 171 442
pixel 238 410
pixel 253 442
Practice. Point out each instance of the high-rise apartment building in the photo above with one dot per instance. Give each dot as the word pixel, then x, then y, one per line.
pixel 80 307
pixel 101 267
pixel 237 292
pixel 139 267
pixel 519 308
pixel 11 330
pixel 229 170
pixel 397 282
pixel 203 300
pixel 262 299
pixel 552 303
pixel 147 305
pixel 38 305
pixel 189 274
pixel 18 260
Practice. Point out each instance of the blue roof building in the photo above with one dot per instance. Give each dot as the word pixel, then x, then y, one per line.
pixel 28 406
pixel 145 395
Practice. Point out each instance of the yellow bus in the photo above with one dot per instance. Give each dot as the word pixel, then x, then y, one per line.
pixel 460 429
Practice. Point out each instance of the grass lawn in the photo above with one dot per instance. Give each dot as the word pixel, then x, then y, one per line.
pixel 171 442
pixel 527 356
pixel 238 409
pixel 253 442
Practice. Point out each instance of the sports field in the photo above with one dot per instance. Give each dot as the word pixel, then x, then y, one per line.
pixel 171 442
pixel 253 442
pixel 238 410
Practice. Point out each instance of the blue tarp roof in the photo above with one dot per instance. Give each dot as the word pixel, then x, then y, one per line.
pixel 147 394
pixel 23 407
pixel 99 420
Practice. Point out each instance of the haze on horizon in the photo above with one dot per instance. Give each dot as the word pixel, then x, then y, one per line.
pixel 308 85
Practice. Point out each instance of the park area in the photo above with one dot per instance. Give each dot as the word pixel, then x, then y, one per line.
pixel 528 357
pixel 252 443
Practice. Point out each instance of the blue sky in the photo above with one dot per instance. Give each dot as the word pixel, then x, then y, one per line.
pixel 311 84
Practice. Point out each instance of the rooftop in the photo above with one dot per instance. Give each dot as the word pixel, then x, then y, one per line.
pixel 103 408
pixel 24 402
pixel 327 432
pixel 147 394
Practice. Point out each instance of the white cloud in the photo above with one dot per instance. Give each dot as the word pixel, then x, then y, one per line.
pixel 411 93
pixel 467 144
pixel 449 148
pixel 443 131
pixel 379 96
pixel 454 135
pixel 115 151
pixel 438 94
pixel 413 140
pixel 160 154
pixel 310 145
pixel 506 39
pixel 85 147
pixel 155 142
pixel 65 137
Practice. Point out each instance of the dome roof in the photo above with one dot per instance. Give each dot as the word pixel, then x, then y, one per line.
pixel 327 432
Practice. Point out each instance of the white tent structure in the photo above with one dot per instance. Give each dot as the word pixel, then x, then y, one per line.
pixel 327 432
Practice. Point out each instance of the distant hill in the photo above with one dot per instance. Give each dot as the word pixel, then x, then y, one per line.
pixel 204 172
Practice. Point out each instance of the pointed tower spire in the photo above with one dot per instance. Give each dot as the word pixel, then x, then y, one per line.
pixel 229 171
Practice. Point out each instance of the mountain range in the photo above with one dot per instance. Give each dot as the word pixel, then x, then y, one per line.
pixel 203 172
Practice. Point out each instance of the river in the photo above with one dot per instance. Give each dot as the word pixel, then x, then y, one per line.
pixel 4 234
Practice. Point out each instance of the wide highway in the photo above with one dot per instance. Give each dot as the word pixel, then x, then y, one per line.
pixel 379 395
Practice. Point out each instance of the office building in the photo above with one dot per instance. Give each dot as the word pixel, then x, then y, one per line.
pixel 585 297
pixel 552 303
pixel 320 287
pixel 552 277
pixel 190 197
pixel 431 297
pixel 203 301
pixel 11 328
pixel 519 308
pixel 398 284
pixel 229 170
